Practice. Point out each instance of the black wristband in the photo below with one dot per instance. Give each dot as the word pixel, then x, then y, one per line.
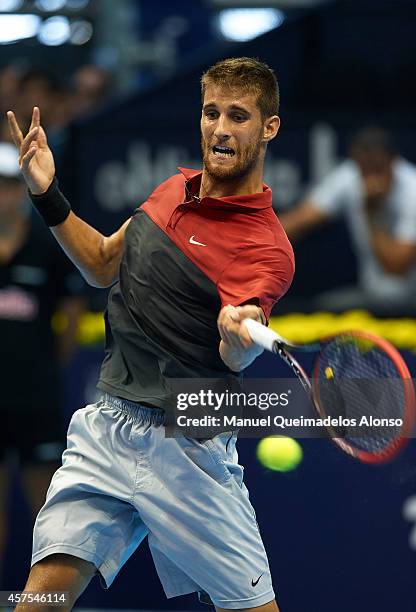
pixel 52 205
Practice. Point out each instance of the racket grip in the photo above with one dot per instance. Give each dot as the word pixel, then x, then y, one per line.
pixel 261 335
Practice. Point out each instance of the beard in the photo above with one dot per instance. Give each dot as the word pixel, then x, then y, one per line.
pixel 245 161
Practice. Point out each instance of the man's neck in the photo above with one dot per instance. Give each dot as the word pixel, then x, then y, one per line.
pixel 215 188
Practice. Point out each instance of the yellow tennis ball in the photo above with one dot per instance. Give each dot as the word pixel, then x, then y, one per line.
pixel 279 453
pixel 329 372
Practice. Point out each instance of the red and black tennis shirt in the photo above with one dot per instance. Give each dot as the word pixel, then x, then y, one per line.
pixel 184 259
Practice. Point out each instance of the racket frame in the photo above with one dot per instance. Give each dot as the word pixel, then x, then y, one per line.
pixel 279 345
pixel 398 443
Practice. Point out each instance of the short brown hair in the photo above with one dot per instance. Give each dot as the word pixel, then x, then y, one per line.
pixel 373 139
pixel 250 75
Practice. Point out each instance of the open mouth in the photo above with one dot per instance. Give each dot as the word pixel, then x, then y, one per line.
pixel 223 151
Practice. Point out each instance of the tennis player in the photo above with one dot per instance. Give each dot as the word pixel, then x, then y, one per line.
pixel 201 254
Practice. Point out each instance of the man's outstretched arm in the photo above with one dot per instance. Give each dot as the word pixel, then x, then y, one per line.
pixel 300 220
pixel 96 256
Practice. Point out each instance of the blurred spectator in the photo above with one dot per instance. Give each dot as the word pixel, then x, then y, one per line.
pixel 22 89
pixel 38 87
pixel 91 88
pixel 5 135
pixel 35 279
pixel 376 190
pixel 9 87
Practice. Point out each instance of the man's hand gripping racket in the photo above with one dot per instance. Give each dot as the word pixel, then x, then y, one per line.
pixel 355 374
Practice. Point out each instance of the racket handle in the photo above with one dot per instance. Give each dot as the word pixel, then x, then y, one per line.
pixel 261 335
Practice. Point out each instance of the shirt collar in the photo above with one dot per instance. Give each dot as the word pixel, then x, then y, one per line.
pixel 250 201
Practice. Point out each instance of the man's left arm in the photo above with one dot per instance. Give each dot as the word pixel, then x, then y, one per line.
pixel 395 249
pixel 395 256
pixel 237 350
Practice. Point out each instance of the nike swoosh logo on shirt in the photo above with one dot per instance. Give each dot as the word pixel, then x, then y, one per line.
pixel 254 583
pixel 192 241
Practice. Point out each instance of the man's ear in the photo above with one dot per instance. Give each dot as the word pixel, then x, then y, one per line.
pixel 271 127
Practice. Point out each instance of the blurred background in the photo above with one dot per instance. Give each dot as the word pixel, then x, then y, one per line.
pixel 118 88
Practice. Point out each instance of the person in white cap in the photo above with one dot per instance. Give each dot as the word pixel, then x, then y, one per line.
pixel 34 280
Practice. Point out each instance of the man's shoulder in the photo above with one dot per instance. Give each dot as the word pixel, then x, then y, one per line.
pixel 175 180
pixel 173 186
pixel 344 178
pixel 405 171
pixel 175 183
pixel 267 239
pixel 338 190
pixel 344 172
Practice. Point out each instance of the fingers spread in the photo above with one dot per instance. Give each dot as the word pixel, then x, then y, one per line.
pixel 28 141
pixel 41 140
pixel 15 129
pixel 35 118
pixel 26 159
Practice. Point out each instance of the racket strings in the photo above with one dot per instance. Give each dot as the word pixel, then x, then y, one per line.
pixel 358 382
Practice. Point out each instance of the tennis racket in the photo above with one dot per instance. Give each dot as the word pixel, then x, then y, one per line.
pixel 355 374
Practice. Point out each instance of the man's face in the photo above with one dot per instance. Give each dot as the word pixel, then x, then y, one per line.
pixel 377 172
pixel 232 133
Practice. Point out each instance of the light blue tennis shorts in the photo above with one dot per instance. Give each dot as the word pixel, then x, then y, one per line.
pixel 122 480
